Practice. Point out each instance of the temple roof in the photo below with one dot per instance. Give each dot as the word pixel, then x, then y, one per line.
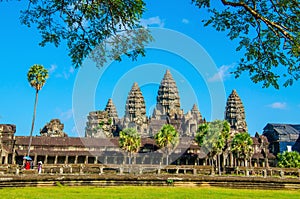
pixel 283 129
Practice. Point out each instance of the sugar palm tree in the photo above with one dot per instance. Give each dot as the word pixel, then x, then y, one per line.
pixel 36 77
pixel 167 138
pixel 241 146
pixel 212 138
pixel 130 141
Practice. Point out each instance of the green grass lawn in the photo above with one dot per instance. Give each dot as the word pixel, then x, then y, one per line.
pixel 143 193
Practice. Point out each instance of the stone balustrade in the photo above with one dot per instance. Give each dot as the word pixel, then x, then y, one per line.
pixel 152 169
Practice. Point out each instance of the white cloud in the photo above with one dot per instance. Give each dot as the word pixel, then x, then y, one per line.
pixel 66 73
pixel 66 115
pixel 222 73
pixel 153 21
pixel 52 68
pixel 278 105
pixel 185 21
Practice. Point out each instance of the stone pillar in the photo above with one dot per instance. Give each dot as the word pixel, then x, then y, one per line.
pixel 61 170
pixel 66 159
pixel 231 159
pixel 46 159
pixel 86 159
pixel 35 159
pixel 247 172
pixel 96 160
pixel 281 173
pixel 264 173
pixel 76 159
pixel 121 170
pixel 55 160
pixel 267 162
pixel 159 170
pixel 13 156
pixel 81 169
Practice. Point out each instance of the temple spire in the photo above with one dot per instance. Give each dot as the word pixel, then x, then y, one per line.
pixel 111 109
pixel 135 109
pixel 235 112
pixel 168 101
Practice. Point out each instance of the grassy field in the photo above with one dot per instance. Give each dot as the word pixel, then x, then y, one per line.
pixel 142 192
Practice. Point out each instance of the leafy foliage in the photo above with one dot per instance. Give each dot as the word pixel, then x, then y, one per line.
pixel 241 145
pixel 108 25
pixel 289 159
pixel 268 33
pixel 167 138
pixel 37 76
pixel 213 136
pixel 130 140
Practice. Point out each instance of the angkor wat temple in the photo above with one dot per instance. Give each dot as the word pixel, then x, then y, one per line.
pixel 100 144
pixel 107 123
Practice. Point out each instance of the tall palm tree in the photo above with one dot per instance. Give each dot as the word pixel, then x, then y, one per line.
pixel 167 138
pixel 212 138
pixel 241 146
pixel 36 77
pixel 130 141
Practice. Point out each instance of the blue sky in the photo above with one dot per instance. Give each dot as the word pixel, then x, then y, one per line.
pixel 19 50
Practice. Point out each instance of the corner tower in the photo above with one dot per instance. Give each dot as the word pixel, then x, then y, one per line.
pixel 235 113
pixel 111 110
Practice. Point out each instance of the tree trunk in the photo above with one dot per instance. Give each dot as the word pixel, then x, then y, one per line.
pixel 167 158
pixel 219 164
pixel 129 159
pixel 33 120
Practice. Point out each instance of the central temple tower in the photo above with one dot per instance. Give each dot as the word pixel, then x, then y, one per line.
pixel 168 100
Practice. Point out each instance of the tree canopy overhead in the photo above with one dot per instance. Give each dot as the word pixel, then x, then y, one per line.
pixel 109 25
pixel 268 33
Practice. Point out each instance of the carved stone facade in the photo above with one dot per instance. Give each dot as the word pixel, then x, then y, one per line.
pixel 235 113
pixel 167 111
pixel 168 100
pixel 101 144
pixel 111 110
pixel 135 108
pixel 53 129
pixel 99 125
pixel 191 121
pixel 7 132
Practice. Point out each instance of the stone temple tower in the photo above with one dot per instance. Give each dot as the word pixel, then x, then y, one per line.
pixel 135 109
pixel 111 110
pixel 235 113
pixel 168 101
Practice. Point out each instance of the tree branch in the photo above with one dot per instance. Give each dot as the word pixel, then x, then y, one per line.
pixel 255 14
